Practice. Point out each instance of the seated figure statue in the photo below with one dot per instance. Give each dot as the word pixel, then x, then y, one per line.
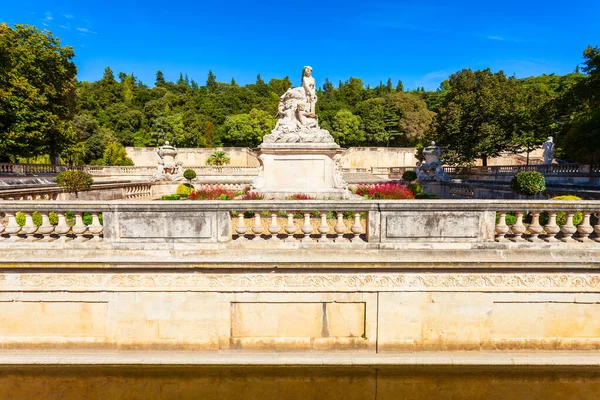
pixel 431 169
pixel 297 119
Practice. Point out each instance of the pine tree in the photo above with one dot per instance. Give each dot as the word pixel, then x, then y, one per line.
pixel 233 82
pixel 211 82
pixel 399 86
pixel 389 86
pixel 160 79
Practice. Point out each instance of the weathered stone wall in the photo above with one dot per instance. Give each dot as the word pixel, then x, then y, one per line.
pixel 239 156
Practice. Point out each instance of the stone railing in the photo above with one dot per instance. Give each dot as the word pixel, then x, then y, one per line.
pixel 264 223
pixel 119 190
pixel 546 169
pixel 30 169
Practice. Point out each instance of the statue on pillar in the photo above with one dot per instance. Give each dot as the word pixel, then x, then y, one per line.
pixel 168 168
pixel 431 169
pixel 548 148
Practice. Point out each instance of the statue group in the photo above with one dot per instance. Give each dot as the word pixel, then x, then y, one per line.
pixel 168 169
pixel 297 121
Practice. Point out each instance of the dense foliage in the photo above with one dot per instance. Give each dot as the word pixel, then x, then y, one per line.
pixel 473 114
pixel 74 181
pixel 37 92
pixel 528 183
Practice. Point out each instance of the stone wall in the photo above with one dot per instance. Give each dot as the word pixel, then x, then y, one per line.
pixel 239 156
pixel 353 157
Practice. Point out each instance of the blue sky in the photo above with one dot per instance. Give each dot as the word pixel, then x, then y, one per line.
pixel 421 44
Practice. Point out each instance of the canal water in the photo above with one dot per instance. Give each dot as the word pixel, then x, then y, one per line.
pixel 208 383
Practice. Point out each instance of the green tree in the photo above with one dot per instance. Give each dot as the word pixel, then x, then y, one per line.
pixel 160 79
pixel 479 115
pixel 247 130
pixel 346 129
pixel 399 86
pixel 37 92
pixel 115 154
pixel 211 82
pixel 74 181
pixel 218 158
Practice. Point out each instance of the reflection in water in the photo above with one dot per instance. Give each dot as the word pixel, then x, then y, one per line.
pixel 207 383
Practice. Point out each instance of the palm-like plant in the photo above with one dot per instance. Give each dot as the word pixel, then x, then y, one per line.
pixel 218 158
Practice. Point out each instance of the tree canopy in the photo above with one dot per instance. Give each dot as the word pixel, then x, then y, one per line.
pixel 473 114
pixel 37 92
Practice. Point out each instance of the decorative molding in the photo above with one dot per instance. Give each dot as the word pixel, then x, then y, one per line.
pixel 293 282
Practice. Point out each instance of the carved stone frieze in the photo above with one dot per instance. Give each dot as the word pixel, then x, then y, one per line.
pixel 310 282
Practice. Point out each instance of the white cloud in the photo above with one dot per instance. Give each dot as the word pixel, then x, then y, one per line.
pixel 49 16
pixel 68 16
pixel 64 26
pixel 495 37
pixel 86 30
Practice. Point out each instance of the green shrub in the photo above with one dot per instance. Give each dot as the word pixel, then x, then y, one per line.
pixel 185 189
pixel 561 216
pixel 171 197
pixel 37 218
pixel 425 196
pixel 415 187
pixel 74 181
pixel 189 174
pixel 409 176
pixel 528 183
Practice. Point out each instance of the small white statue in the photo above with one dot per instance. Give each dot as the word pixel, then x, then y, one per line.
pixel 548 147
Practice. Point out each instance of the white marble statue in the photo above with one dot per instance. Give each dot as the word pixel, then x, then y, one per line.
pixel 168 168
pixel 548 147
pixel 297 121
pixel 431 169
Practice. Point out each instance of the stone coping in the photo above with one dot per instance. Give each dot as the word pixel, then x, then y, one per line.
pixel 321 205
pixel 438 358
pixel 180 257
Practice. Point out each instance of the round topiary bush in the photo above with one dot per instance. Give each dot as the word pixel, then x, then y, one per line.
pixel 409 176
pixel 561 216
pixel 528 183
pixel 189 174
pixel 185 189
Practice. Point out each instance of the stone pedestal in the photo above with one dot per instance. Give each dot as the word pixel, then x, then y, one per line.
pixel 308 168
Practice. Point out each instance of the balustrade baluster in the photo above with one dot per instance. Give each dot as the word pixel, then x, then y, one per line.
pixel 12 228
pixel 307 227
pixel 241 227
pixel 324 227
pixel 290 228
pixel 79 228
pixel 257 227
pixel 356 228
pixel 518 228
pixel 551 227
pixel 597 227
pixel 585 228
pixel 535 228
pixel 274 228
pixel 95 228
pixel 568 229
pixel 339 227
pixel 501 227
pixel 46 228
pixel 29 228
pixel 62 228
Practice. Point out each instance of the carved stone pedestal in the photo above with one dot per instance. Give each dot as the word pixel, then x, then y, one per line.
pixel 307 168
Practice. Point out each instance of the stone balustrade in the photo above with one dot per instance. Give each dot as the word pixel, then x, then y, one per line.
pixel 117 190
pixel 379 223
